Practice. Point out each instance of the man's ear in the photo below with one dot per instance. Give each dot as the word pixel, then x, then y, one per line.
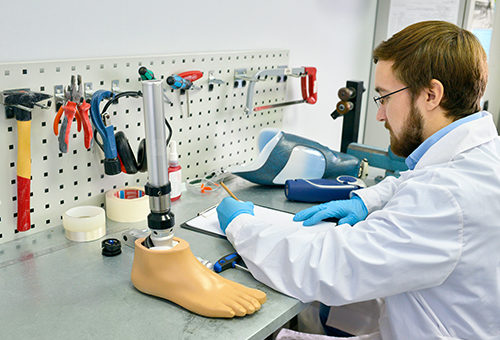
pixel 434 94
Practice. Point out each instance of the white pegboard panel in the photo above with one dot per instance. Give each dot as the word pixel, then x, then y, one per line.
pixel 214 133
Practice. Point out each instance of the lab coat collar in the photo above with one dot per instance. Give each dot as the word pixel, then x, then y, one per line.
pixel 460 139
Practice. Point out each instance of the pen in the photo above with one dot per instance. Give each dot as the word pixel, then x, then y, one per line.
pixel 204 212
pixel 228 191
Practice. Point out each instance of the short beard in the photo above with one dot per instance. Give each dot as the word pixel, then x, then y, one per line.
pixel 411 136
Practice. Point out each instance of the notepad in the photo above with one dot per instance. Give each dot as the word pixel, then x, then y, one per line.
pixel 207 222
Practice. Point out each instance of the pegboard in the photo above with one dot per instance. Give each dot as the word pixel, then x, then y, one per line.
pixel 214 133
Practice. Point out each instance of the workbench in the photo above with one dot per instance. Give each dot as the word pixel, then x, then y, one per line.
pixel 53 288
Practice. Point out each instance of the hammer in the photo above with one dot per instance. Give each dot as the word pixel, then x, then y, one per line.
pixel 19 104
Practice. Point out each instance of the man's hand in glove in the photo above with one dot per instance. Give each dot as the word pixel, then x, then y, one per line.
pixel 347 211
pixel 229 208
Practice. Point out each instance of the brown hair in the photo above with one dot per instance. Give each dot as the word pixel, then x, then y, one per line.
pixel 439 50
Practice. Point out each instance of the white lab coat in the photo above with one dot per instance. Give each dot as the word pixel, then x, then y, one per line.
pixel 430 245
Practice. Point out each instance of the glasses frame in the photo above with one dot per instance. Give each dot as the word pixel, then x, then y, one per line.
pixel 379 100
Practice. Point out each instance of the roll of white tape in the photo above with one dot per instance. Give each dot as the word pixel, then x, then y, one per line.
pixel 128 204
pixel 83 224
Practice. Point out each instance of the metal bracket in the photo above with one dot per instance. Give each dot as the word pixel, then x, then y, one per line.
pixel 58 96
pixel 212 81
pixel 88 91
pixel 241 78
pixel 115 86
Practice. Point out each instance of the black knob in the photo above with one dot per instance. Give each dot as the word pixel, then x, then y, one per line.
pixel 111 247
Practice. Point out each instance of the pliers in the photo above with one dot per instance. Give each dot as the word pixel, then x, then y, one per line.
pixel 75 106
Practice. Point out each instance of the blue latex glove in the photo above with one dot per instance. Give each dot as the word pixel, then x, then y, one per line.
pixel 229 208
pixel 348 211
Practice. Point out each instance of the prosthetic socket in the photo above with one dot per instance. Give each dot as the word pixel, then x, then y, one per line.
pixel 285 156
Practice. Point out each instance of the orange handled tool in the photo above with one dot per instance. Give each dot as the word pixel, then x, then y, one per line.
pixel 23 174
pixel 83 113
pixel 20 103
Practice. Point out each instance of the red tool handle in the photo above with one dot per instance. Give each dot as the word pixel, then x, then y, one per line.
pixel 308 83
pixel 57 119
pixel 23 175
pixel 191 75
pixel 69 112
pixel 83 110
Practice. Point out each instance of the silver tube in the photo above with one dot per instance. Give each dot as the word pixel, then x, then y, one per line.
pixel 156 143
pixel 156 147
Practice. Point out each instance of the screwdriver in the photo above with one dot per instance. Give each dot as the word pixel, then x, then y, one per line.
pixel 228 261
pixel 178 82
pixel 147 74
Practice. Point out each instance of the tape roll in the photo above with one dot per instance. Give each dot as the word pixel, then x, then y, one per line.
pixel 128 204
pixel 83 224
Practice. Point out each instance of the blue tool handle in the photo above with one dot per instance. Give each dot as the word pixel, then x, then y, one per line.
pixel 318 190
pixel 106 132
pixel 226 262
pixel 178 82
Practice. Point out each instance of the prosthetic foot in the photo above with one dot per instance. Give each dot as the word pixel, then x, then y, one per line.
pixel 176 275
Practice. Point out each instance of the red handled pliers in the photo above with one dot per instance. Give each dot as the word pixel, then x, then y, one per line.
pixel 75 106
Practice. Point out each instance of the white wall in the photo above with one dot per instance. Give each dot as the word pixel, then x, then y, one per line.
pixel 333 35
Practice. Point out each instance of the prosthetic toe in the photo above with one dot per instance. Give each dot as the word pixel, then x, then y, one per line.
pixel 176 275
pixel 285 156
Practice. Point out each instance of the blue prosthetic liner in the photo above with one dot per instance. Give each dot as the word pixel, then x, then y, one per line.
pixel 321 190
pixel 106 132
pixel 285 156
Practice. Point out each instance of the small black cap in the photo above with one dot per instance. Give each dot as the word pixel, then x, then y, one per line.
pixel 111 247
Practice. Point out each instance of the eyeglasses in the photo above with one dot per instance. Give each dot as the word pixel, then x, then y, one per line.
pixel 382 99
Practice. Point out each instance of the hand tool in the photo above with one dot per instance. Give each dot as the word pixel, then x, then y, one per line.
pixel 74 107
pixel 177 82
pixel 308 86
pixel 192 76
pixel 147 74
pixel 21 103
pixel 184 81
pixel 228 261
pixel 321 190
pixel 83 112
pixel 111 161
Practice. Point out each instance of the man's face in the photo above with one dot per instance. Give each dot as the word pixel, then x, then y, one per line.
pixel 402 117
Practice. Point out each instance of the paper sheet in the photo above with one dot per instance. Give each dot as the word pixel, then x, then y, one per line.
pixel 207 222
pixel 403 12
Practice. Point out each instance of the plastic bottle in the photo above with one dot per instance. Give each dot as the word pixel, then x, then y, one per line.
pixel 174 172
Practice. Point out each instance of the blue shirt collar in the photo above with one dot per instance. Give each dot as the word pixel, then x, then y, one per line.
pixel 412 160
